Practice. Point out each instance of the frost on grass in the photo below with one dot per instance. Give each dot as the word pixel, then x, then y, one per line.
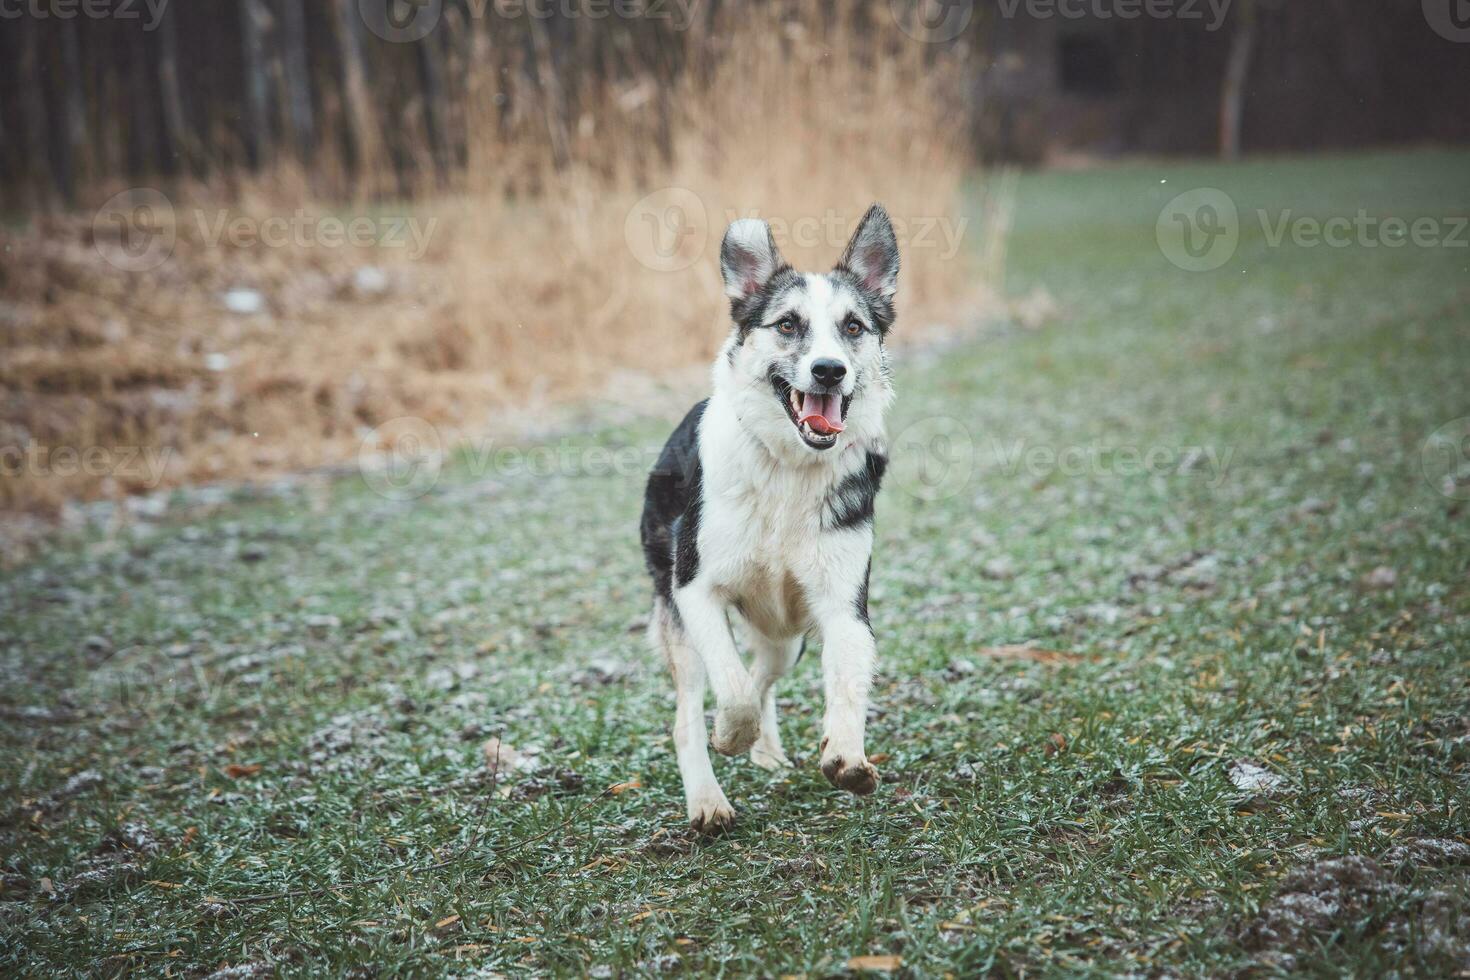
pixel 116 861
pixel 1251 778
pixel 1323 902
pixel 1314 901
pixel 1428 851
pixel 348 741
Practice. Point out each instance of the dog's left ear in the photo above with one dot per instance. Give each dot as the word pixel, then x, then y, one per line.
pixel 748 258
pixel 872 255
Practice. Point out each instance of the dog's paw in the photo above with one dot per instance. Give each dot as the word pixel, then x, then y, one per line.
pixel 711 813
pixel 856 777
pixel 769 757
pixel 737 726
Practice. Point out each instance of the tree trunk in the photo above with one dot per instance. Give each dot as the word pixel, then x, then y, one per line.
pixel 175 127
pixel 10 155
pixel 33 109
pixel 142 113
pixel 431 68
pixel 257 85
pixel 361 120
pixel 1237 69
pixel 72 164
pixel 298 77
pixel 552 103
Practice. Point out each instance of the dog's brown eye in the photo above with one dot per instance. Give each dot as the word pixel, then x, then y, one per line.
pixel 786 327
pixel 854 327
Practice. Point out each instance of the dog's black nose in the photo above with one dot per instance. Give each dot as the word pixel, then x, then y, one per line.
pixel 828 371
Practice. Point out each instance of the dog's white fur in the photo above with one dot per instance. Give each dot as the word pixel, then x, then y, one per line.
pixel 766 545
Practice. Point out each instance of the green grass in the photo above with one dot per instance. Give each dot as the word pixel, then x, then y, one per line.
pixel 1068 815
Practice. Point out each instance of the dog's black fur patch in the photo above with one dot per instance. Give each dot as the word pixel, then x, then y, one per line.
pixel 671 508
pixel 861 602
pixel 851 502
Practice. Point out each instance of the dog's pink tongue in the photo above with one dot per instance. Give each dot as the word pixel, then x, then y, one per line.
pixel 823 412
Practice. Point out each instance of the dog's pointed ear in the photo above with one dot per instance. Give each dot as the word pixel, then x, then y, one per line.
pixel 748 258
pixel 872 255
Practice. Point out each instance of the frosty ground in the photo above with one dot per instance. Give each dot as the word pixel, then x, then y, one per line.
pixel 1172 590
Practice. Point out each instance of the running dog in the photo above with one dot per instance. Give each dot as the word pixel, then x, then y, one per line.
pixel 761 505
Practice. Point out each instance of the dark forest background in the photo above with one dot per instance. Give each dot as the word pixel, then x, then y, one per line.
pixel 201 88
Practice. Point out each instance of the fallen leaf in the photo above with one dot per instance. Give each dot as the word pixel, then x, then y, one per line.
pixel 236 771
pixel 1381 578
pixel 500 756
pixel 448 920
pixel 1251 778
pixel 1018 651
pixel 881 964
pixel 878 758
pixel 1055 742
pixel 619 788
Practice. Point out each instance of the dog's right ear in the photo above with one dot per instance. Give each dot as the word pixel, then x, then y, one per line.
pixel 748 258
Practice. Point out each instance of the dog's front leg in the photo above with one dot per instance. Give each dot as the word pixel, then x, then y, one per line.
pixel 737 706
pixel 848 656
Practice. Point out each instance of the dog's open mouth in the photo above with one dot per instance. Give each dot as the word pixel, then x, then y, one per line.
pixel 818 416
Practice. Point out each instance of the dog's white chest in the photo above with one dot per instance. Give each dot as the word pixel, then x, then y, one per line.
pixel 760 543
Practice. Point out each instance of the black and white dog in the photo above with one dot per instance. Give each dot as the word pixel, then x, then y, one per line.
pixel 762 504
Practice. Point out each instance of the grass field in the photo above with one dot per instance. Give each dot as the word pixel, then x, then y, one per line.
pixel 1173 604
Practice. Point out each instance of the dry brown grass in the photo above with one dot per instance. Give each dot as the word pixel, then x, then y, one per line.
pixel 520 299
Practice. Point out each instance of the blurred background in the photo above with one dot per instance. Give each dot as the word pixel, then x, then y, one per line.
pixel 243 234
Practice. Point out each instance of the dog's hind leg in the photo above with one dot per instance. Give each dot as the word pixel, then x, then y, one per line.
pixel 709 810
pixel 773 659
